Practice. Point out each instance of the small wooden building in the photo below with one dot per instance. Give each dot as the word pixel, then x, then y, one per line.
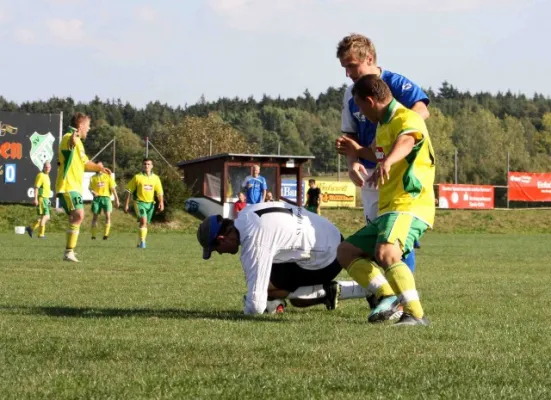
pixel 219 178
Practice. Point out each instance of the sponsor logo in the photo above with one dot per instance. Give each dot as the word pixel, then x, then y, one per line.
pixel 147 187
pixel 521 179
pixel 407 86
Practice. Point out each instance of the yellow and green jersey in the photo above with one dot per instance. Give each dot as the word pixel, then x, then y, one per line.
pixel 102 184
pixel 410 187
pixel 144 187
pixel 71 165
pixel 42 182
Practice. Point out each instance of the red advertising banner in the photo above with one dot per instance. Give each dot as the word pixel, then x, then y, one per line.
pixel 466 196
pixel 526 186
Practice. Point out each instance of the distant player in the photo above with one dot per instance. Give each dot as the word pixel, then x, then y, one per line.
pixel 358 57
pixel 72 164
pixel 42 192
pixel 286 252
pixel 405 174
pixel 313 197
pixel 255 187
pixel 143 188
pixel 102 186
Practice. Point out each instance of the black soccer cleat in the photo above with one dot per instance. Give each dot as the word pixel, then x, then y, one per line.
pixel 105 237
pixel 332 294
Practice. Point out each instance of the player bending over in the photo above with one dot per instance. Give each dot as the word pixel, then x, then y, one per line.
pixel 286 252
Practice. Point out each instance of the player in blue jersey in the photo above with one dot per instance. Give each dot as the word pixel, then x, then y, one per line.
pixel 255 187
pixel 358 57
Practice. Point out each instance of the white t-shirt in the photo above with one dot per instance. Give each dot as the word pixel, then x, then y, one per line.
pixel 275 232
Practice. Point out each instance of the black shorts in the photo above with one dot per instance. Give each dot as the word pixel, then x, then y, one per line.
pixel 290 276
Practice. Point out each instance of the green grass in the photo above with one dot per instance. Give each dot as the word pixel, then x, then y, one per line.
pixel 161 323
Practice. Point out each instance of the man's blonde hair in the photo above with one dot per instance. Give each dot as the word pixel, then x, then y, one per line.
pixel 357 45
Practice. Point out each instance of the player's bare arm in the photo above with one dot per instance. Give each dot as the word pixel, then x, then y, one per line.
pixel 117 202
pixel 91 166
pixel 421 108
pixel 127 201
pixel 161 203
pixel 401 148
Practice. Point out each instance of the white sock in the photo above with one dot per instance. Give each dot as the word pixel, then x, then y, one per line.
pixel 351 290
pixel 308 292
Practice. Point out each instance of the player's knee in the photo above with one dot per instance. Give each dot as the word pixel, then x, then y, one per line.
pixel 387 255
pixel 346 253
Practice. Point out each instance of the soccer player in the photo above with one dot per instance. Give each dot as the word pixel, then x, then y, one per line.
pixel 72 164
pixel 405 174
pixel 255 187
pixel 102 186
pixel 143 187
pixel 42 192
pixel 286 252
pixel 313 197
pixel 358 57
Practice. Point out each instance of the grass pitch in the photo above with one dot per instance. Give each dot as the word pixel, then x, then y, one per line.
pixel 161 323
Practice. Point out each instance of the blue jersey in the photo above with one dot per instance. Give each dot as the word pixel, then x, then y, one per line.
pixel 254 188
pixel 353 122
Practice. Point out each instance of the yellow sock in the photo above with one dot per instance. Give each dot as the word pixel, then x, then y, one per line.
pixel 36 225
pixel 72 236
pixel 401 279
pixel 94 230
pixel 143 234
pixel 42 230
pixel 107 229
pixel 367 274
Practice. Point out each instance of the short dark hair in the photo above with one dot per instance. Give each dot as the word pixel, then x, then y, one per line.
pixel 311 181
pixel 371 86
pixel 77 119
pixel 147 159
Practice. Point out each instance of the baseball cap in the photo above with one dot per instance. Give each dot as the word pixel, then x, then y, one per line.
pixel 207 233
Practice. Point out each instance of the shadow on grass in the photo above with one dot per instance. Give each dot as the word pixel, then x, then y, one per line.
pixel 171 313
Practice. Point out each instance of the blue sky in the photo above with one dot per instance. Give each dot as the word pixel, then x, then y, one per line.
pixel 177 50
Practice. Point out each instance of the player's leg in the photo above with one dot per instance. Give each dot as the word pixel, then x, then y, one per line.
pixel 108 209
pixel 73 206
pixel 398 233
pixel 44 219
pixel 33 226
pixel 96 210
pixel 356 255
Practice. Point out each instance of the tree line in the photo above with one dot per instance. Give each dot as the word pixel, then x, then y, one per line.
pixel 485 130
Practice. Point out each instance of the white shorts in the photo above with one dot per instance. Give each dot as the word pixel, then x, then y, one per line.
pixel 370 198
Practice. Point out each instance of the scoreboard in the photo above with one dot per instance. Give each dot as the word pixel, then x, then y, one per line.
pixel 27 141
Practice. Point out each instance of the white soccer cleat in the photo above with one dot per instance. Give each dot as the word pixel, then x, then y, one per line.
pixel 70 256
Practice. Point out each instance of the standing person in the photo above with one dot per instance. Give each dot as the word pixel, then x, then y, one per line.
pixel 42 192
pixel 102 186
pixel 405 174
pixel 143 187
pixel 72 164
pixel 240 204
pixel 313 197
pixel 358 57
pixel 286 253
pixel 255 187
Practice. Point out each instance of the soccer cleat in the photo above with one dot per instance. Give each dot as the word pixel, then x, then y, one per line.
pixel 70 256
pixel 386 308
pixel 409 320
pixel 93 238
pixel 29 231
pixel 332 294
pixel 105 237
pixel 141 245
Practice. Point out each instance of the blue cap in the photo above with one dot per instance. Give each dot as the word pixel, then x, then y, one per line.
pixel 207 234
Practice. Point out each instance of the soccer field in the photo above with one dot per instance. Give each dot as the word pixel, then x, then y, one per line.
pixel 162 323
